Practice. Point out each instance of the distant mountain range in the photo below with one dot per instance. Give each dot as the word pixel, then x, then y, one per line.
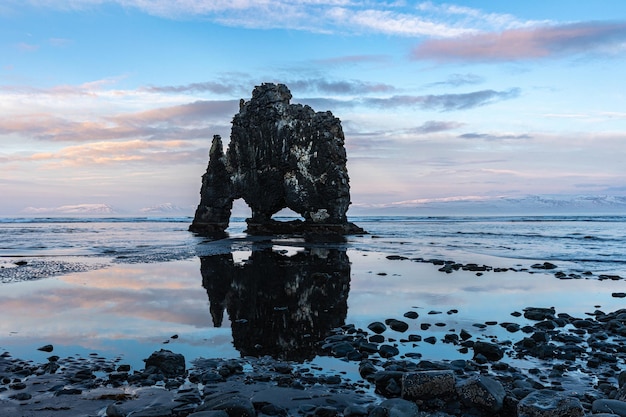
pixel 527 205
pixel 166 208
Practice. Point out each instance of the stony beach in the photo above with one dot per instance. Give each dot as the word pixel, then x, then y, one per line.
pixel 578 371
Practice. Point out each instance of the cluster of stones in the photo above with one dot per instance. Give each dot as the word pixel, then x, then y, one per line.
pixel 486 384
pixel 449 266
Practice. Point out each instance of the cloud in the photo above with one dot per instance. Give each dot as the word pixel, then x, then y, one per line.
pixel 394 18
pixel 353 59
pixel 457 80
pixel 445 102
pixel 437 102
pixel 92 88
pixel 200 87
pixel 316 84
pixel 27 47
pixel 393 23
pixel 526 43
pixel 59 42
pixel 340 87
pixel 489 136
pixel 433 126
pixel 133 151
pixel 196 120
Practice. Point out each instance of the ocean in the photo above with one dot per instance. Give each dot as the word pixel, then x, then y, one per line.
pixel 125 287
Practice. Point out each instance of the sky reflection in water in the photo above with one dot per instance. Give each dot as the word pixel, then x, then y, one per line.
pixel 130 310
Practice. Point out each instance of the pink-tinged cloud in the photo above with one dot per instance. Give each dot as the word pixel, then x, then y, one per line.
pixel 526 43
pixel 196 120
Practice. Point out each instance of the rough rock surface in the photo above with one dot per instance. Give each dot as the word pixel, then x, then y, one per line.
pixel 545 403
pixel 280 155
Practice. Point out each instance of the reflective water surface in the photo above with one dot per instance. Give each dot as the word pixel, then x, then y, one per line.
pixel 279 298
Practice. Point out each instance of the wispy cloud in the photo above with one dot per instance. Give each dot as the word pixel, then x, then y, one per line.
pixel 457 80
pixel 60 42
pixel 446 102
pixel 354 59
pixel 321 85
pixel 133 151
pixel 340 86
pixel 394 23
pixel 394 18
pixel 434 126
pixel 27 47
pixel 436 102
pixel 490 136
pixel 527 43
pixel 199 87
pixel 196 120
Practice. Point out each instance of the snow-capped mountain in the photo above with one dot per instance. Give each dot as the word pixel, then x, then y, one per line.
pixel 166 208
pixel 504 205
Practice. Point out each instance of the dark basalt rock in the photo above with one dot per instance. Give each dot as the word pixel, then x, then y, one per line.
pixel 280 155
pixel 169 363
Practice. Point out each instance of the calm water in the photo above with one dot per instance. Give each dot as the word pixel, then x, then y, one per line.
pixel 127 287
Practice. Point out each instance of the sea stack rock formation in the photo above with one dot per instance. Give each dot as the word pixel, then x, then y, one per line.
pixel 280 155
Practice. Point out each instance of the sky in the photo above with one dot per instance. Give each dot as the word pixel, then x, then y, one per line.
pixel 116 101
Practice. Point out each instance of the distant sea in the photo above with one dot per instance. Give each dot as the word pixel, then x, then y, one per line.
pixel 126 286
pixel 584 243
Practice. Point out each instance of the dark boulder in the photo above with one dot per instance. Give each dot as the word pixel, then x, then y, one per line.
pixel 170 364
pixel 491 351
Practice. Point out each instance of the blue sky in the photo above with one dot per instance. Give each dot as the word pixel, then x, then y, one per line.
pixel 115 102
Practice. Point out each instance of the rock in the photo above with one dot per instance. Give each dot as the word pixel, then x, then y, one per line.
pixel 235 405
pixel 341 349
pixel 397 325
pixel 169 363
pixel 430 339
pixel 548 403
pixel 397 407
pixel 21 396
pixel 491 351
pixel 325 411
pixel 155 411
pixel 427 384
pixel 280 155
pixel 68 391
pixel 213 413
pixel 464 334
pixel 46 348
pixel 114 411
pixel 377 327
pixel 367 368
pixel 539 313
pixel 17 386
pixel 355 411
pixel 609 406
pixel 388 351
pixel 545 265
pixel 482 392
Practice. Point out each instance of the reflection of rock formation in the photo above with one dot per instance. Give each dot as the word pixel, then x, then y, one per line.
pixel 280 155
pixel 279 305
